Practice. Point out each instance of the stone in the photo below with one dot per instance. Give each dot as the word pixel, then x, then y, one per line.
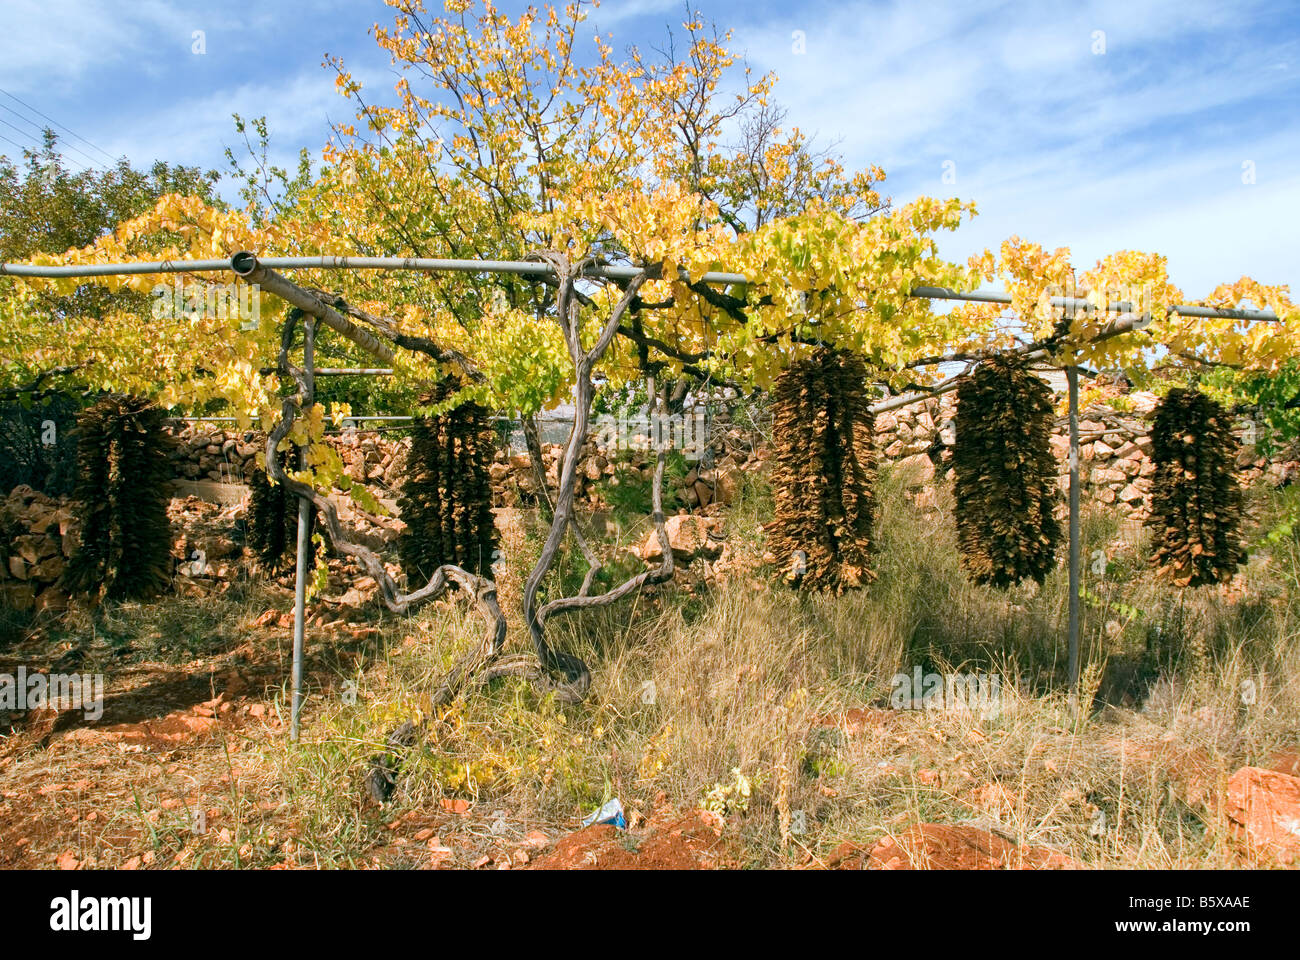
pixel 727 487
pixel 1143 401
pixel 28 547
pixel 23 493
pixel 1265 807
pixel 1131 494
pixel 48 570
pixel 52 599
pixel 703 493
pixel 688 536
pixel 936 846
pixel 48 518
pixel 918 469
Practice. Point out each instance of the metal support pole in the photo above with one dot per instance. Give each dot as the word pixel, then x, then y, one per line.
pixel 1072 378
pixel 243 264
pixel 304 536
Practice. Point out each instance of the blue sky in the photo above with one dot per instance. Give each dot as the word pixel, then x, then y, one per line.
pixel 1100 126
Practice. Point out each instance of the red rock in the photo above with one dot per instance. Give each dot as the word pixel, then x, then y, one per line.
pixel 935 846
pixel 536 840
pixel 688 536
pixel 694 841
pixel 856 719
pixel 1264 805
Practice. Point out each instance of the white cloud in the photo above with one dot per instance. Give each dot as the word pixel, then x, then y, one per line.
pixel 1138 148
pixel 613 12
pixel 55 43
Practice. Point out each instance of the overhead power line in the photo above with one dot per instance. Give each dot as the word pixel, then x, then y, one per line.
pixel 18 145
pixel 31 123
pixel 21 132
pixel 36 148
pixel 40 137
pixel 106 154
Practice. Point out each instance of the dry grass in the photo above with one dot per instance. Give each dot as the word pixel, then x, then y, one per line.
pixel 690 688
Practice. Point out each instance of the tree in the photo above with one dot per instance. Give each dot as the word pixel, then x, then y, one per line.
pixel 46 208
pixel 502 145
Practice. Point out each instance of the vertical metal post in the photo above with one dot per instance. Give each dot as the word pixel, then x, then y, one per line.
pixel 1072 378
pixel 304 535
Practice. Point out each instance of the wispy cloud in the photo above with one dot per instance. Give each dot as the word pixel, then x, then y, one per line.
pixel 1102 127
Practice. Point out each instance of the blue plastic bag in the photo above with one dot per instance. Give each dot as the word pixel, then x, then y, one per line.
pixel 611 812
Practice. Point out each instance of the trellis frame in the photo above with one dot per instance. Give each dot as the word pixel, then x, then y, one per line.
pixel 262 271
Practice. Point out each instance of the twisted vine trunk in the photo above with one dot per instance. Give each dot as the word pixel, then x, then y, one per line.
pixel 555 672
pixel 483 591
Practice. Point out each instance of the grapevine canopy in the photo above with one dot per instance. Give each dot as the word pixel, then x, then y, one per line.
pixel 507 137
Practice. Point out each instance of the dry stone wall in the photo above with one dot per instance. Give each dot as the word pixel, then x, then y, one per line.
pixel 38 532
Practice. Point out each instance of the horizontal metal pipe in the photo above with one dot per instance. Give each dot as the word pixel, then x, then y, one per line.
pixel 242 260
pixel 113 269
pixel 1080 303
pixel 1123 324
pixel 525 268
